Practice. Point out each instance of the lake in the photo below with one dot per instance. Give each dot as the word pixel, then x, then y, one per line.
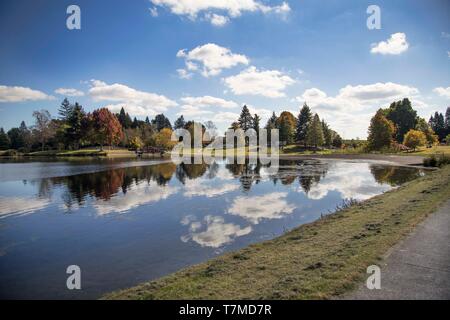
pixel 125 222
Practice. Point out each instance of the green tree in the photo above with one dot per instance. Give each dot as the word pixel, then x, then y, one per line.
pixel 314 136
pixel 179 123
pixel 437 123
pixel 65 109
pixel 414 139
pixel 4 140
pixel 161 122
pixel 256 125
pixel 303 120
pixel 447 121
pixel 381 131
pixel 245 119
pixel 74 131
pixel 337 141
pixel 15 138
pixel 327 134
pixel 403 116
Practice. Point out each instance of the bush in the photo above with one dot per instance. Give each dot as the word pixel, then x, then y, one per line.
pixel 9 153
pixel 436 160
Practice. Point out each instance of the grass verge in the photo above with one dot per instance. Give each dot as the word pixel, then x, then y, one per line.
pixel 314 261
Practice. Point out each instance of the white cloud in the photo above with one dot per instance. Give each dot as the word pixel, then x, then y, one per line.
pixel 230 8
pixel 443 92
pixel 154 12
pixel 20 94
pixel 350 110
pixel 267 83
pixel 351 180
pixel 184 74
pixel 217 19
pixel 192 112
pixel 256 208
pixel 396 44
pixel 69 92
pixel 200 188
pixel 217 233
pixel 137 103
pixel 212 59
pixel 208 101
pixel 16 206
pixel 137 195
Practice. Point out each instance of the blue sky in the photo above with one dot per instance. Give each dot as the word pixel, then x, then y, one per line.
pixel 206 58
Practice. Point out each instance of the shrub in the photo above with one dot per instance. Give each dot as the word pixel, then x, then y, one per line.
pixel 436 160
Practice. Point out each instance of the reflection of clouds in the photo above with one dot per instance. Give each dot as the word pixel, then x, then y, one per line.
pixel 201 187
pixel 256 208
pixel 351 180
pixel 12 206
pixel 217 232
pixel 136 196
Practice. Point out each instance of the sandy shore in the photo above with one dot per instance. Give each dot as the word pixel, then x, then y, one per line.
pixel 399 160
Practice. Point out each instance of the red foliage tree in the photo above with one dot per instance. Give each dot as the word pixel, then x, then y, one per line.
pixel 107 127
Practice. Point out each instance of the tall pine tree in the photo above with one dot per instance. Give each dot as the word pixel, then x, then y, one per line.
pixel 245 119
pixel 314 136
pixel 303 120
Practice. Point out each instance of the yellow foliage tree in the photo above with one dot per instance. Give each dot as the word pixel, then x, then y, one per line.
pixel 136 143
pixel 414 138
pixel 163 139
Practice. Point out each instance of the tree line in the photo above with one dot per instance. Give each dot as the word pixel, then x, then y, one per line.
pixel 399 126
pixel 306 129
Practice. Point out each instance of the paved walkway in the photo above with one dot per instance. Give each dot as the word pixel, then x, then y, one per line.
pixel 419 266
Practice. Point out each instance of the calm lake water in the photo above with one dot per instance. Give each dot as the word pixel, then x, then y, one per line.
pixel 125 222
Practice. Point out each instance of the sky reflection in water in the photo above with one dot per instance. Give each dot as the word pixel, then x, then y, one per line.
pixel 127 225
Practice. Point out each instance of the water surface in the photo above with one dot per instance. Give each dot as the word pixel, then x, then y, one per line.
pixel 128 222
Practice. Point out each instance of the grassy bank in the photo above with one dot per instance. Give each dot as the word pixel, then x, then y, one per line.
pixel 317 260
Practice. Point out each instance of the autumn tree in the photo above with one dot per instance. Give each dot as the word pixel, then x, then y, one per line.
pixel 414 139
pixel 423 126
pixel 314 136
pixel 163 139
pixel 303 120
pixel 381 131
pixel 107 127
pixel 286 123
pixel 136 143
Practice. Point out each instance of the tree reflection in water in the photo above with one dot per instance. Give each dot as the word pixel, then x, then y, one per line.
pixel 106 184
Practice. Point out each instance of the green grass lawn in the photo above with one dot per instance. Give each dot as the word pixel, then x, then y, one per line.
pixel 314 261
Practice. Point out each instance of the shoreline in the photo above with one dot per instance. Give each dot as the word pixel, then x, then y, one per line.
pixel 393 159
pixel 320 260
